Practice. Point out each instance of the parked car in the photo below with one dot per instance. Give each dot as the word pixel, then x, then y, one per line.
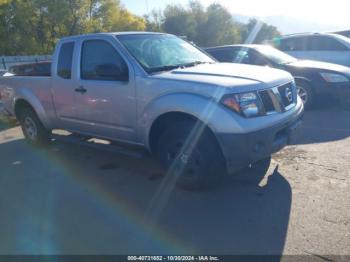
pixel 201 119
pixel 31 69
pixel 344 33
pixel 327 47
pixel 313 78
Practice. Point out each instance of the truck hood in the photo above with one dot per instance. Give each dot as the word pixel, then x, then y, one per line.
pixel 229 75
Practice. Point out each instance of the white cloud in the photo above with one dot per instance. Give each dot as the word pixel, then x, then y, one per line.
pixel 328 12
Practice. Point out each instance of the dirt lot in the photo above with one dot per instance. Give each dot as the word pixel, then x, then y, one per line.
pixel 77 200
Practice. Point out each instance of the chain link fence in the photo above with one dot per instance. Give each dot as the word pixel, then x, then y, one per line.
pixel 7 61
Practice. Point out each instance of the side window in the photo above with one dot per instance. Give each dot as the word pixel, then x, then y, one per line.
pixel 241 56
pixel 223 55
pixel 294 44
pixel 287 44
pixel 257 59
pixel 64 65
pixel 100 61
pixel 326 43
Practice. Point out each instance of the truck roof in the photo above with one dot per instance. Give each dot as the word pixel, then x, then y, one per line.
pixel 235 45
pixel 113 33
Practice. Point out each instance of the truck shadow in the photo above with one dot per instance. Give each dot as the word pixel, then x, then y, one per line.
pixel 323 124
pixel 239 218
pixel 73 200
pixel 6 124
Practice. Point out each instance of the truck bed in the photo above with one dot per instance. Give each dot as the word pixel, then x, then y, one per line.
pixel 25 86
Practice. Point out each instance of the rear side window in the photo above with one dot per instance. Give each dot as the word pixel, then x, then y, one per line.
pixel 101 61
pixel 294 44
pixel 325 43
pixel 64 65
pixel 43 69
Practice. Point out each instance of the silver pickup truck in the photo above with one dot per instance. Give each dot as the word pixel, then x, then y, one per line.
pixel 200 118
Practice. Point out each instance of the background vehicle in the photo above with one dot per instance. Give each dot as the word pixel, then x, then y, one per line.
pixel 312 78
pixel 200 118
pixel 327 47
pixel 344 33
pixel 2 72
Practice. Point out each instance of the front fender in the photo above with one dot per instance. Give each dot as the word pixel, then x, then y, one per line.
pixel 28 96
pixel 208 110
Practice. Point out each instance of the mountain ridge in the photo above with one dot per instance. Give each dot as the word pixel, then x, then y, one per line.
pixel 290 25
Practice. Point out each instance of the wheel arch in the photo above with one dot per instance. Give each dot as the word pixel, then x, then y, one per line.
pixel 21 103
pixel 163 121
pixel 305 80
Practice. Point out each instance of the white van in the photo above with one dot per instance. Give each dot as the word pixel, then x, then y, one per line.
pixel 325 47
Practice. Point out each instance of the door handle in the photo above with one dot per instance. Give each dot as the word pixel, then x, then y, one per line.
pixel 81 90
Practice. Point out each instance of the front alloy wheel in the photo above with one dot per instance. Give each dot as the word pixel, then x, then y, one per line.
pixel 305 93
pixel 302 93
pixel 30 128
pixel 193 162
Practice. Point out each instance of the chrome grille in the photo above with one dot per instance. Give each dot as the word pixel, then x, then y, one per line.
pixel 286 92
pixel 267 101
pixel 278 99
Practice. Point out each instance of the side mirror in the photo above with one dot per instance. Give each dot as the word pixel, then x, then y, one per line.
pixel 112 72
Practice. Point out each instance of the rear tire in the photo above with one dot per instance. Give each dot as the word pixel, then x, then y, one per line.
pixel 34 131
pixel 194 163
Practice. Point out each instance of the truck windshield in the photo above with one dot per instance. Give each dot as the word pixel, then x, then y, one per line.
pixel 161 52
pixel 275 55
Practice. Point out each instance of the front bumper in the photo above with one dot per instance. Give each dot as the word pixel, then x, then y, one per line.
pixel 240 150
pixel 336 89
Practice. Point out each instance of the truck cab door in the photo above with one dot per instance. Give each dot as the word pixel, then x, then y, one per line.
pixel 105 92
pixel 63 84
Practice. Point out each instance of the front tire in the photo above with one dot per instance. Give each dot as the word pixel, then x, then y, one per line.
pixel 260 167
pixel 191 155
pixel 34 131
pixel 305 92
pixel 255 172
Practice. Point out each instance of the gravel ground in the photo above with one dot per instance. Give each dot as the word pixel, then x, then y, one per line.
pixel 70 199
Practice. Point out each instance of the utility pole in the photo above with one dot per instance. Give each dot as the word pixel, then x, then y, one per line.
pixel 146 6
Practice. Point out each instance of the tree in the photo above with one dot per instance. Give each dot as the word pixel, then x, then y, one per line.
pixel 154 21
pixel 179 21
pixel 206 27
pixel 209 26
pixel 257 32
pixel 34 27
pixel 220 28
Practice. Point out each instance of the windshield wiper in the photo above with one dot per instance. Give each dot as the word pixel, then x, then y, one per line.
pixel 196 63
pixel 163 68
pixel 172 67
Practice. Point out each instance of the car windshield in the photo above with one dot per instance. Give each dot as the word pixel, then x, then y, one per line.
pixel 275 55
pixel 161 52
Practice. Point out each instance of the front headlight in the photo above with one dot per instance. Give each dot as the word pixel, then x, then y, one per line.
pixel 334 78
pixel 246 104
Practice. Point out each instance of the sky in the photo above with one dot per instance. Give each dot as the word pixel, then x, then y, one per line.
pixel 335 12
